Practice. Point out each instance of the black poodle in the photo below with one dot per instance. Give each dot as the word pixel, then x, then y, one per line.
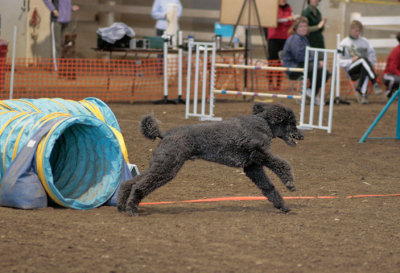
pixel 237 142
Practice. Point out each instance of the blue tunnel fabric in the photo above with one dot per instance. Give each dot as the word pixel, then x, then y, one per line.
pixel 20 186
pixel 89 106
pixel 127 176
pixel 80 170
pixel 109 116
pixel 79 162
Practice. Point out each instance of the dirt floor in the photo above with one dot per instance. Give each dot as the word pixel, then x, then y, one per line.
pixel 338 234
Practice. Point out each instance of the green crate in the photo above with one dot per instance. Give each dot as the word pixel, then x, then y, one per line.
pixel 155 41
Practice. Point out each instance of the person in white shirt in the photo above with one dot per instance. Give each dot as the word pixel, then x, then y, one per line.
pixel 159 13
pixel 358 58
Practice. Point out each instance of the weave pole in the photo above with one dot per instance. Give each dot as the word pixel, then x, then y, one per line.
pixel 13 64
pixel 180 67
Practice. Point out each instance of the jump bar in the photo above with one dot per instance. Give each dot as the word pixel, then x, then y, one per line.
pixel 270 68
pixel 230 92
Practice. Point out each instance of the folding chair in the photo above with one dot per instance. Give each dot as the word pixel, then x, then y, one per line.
pixel 351 91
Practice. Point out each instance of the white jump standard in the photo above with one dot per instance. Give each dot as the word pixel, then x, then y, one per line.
pixel 201 48
pixel 313 99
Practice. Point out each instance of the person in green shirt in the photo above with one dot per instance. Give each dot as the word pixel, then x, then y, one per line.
pixel 316 24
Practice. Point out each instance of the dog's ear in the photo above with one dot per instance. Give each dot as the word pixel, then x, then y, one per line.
pixel 260 107
pixel 273 113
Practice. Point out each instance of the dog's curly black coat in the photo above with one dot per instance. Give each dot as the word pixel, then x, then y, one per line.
pixel 237 142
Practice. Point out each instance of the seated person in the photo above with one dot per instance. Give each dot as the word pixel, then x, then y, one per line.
pixel 391 75
pixel 358 58
pixel 294 53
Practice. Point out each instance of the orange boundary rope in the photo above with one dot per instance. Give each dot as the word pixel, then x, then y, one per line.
pixel 256 198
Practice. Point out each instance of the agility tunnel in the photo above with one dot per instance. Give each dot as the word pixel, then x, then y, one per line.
pixel 89 106
pixel 77 160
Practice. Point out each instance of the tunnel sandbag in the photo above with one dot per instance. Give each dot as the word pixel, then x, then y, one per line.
pixel 79 161
pixel 89 106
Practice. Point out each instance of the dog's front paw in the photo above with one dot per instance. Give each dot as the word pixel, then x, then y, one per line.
pixel 290 186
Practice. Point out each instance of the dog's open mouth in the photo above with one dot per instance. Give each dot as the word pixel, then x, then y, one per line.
pixel 293 139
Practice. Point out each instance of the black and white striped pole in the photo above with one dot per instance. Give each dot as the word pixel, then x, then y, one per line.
pixel 167 40
pixel 180 67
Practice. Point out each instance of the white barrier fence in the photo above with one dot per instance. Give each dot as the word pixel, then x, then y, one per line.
pixel 382 23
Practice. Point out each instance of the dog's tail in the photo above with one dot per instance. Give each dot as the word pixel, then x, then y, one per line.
pixel 150 128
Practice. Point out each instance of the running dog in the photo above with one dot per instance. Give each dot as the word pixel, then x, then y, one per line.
pixel 237 142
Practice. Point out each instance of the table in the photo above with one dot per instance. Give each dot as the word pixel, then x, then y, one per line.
pixel 155 51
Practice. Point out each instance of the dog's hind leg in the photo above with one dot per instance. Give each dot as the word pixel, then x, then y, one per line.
pixel 156 176
pixel 260 178
pixel 123 193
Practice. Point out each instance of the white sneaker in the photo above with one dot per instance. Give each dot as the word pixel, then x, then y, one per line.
pixel 317 101
pixel 308 92
pixel 388 94
pixel 364 99
pixel 377 89
pixel 358 96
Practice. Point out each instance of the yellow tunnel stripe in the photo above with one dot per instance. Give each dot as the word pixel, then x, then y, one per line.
pixel 121 141
pixel 4 105
pixel 46 118
pixel 16 141
pixel 30 104
pixel 92 108
pixel 39 162
pixel 62 106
